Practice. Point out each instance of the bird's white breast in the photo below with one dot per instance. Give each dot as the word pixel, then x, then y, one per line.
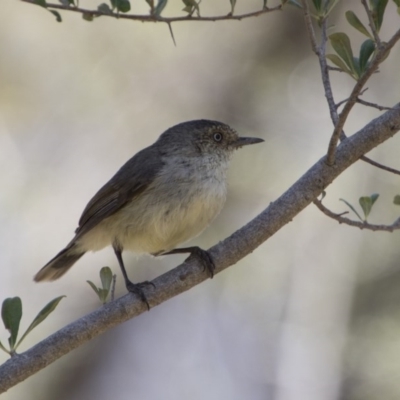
pixel 181 202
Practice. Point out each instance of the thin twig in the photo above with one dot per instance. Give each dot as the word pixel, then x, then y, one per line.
pixel 320 52
pixel 114 281
pixel 346 100
pixel 154 18
pixel 380 56
pixel 368 104
pixel 309 26
pixel 361 225
pixel 171 32
pixel 372 24
pixel 378 165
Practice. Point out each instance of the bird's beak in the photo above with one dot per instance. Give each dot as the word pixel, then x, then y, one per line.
pixel 244 141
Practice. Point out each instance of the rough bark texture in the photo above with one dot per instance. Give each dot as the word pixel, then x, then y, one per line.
pixel 225 254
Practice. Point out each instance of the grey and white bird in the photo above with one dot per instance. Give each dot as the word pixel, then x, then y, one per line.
pixel 163 196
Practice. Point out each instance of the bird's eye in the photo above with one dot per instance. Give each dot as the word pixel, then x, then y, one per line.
pixel 217 137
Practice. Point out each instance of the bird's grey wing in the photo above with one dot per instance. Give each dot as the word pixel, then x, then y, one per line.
pixel 131 180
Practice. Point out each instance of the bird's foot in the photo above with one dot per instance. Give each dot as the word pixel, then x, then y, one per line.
pixel 137 288
pixel 203 255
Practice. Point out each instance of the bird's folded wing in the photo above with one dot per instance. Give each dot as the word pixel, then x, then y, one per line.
pixel 129 182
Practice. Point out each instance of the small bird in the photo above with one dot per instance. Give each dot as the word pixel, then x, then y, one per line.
pixel 163 196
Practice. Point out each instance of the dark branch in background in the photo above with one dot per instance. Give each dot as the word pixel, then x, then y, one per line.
pixel 361 225
pixel 224 254
pixel 155 18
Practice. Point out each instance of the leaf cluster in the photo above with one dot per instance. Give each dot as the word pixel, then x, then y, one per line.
pixel 106 278
pixel 11 314
pixel 344 58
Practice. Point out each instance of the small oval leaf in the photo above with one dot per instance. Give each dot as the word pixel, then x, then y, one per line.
pixel 104 8
pixel 378 10
pixel 339 63
pixel 341 43
pixel 42 315
pixel 352 209
pixel 160 7
pixel 11 313
pixel 57 15
pixel 396 200
pixel 353 20
pixel 366 205
pixel 366 50
pixel 374 198
pixel 94 287
pixel 106 278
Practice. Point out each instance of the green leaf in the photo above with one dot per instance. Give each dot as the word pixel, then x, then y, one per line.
pixel 374 197
pixel 160 6
pixel 352 209
pixel 295 3
pixel 106 278
pixel 94 287
pixel 11 313
pixel 88 16
pixel 366 203
pixel 3 348
pixel 67 3
pixel 42 315
pixel 103 294
pixel 121 5
pixel 396 200
pixel 265 4
pixel 339 63
pixel 330 6
pixel 353 20
pixel 41 3
pixel 378 10
pixel 318 5
pixel 192 5
pixel 57 15
pixel 105 8
pixel 233 3
pixel 397 2
pixel 356 63
pixel 151 4
pixel 341 43
pixel 366 50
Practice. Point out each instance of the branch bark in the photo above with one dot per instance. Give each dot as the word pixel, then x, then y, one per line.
pixel 225 254
pixel 157 18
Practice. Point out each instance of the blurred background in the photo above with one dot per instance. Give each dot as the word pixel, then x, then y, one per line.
pixel 313 313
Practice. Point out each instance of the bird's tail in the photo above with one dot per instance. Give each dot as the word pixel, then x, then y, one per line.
pixel 59 265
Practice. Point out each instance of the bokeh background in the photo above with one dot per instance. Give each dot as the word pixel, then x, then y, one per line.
pixel 311 314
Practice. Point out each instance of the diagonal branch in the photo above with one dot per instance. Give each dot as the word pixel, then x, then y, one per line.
pixel 155 18
pixel 225 254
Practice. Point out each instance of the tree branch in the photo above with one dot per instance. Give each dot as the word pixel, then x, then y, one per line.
pixel 371 24
pixel 361 225
pixel 382 53
pixel 225 254
pixel 155 18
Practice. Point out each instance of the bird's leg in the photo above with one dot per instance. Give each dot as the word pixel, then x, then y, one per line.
pixel 201 254
pixel 136 288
